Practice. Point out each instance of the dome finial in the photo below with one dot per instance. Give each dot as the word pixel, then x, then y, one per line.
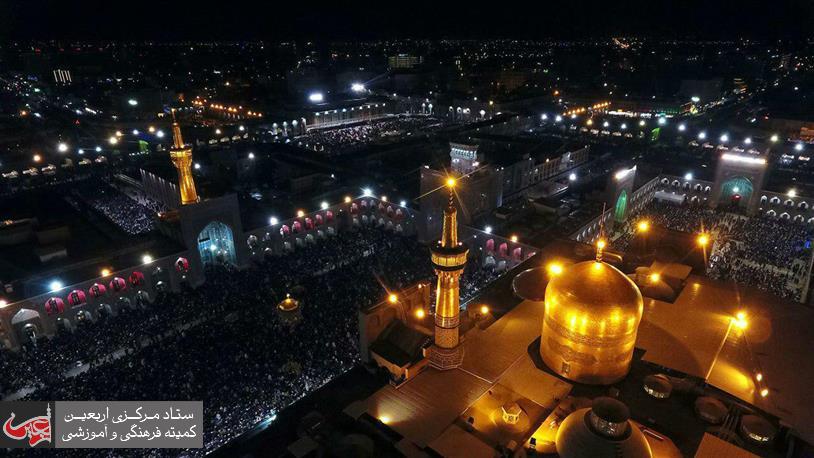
pixel 600 248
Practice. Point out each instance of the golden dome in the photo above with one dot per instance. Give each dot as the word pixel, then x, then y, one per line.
pixel 288 304
pixel 592 315
pixel 596 288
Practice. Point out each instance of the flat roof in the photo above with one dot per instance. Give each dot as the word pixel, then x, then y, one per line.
pixel 713 447
pixel 423 407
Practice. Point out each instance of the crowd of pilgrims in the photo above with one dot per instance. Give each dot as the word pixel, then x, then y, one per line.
pixel 226 342
pixel 344 139
pixel 134 216
pixel 769 253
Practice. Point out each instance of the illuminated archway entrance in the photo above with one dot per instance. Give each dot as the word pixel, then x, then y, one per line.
pixel 620 209
pixel 736 191
pixel 216 244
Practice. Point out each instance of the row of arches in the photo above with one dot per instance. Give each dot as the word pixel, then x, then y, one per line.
pixel 787 216
pixel 30 323
pixel 306 224
pixel 686 185
pixel 365 205
pixel 503 251
pixel 775 201
pixel 381 222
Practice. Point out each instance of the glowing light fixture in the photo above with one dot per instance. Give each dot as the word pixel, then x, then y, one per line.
pixel 643 226
pixel 555 268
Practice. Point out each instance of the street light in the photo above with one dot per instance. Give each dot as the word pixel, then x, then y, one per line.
pixel 487 229
pixel 146 259
pixel 316 97
pixel 688 176
pixel 703 240
pixel 682 127
pixel 62 147
pixel 774 138
pixel 55 285
pixel 113 140
pixel 643 226
pixel 702 135
pixel 324 205
pixel 273 221
pixel 357 87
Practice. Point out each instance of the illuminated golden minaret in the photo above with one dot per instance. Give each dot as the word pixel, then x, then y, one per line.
pixel 181 156
pixel 448 259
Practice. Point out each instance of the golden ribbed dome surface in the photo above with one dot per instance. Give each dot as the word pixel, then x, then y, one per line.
pixel 592 315
pixel 595 288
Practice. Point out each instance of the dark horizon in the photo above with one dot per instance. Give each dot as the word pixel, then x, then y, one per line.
pixel 178 21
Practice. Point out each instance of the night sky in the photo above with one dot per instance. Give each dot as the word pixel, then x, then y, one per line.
pixel 293 19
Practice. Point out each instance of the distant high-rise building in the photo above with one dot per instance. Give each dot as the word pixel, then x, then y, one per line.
pixel 404 61
pixel 62 76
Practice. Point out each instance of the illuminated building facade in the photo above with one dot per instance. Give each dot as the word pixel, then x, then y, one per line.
pixel 181 156
pixel 448 259
pixel 738 180
pixel 591 319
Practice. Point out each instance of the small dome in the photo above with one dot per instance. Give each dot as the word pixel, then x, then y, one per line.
pixel 597 288
pixel 658 386
pixel 757 429
pixel 710 409
pixel 602 431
